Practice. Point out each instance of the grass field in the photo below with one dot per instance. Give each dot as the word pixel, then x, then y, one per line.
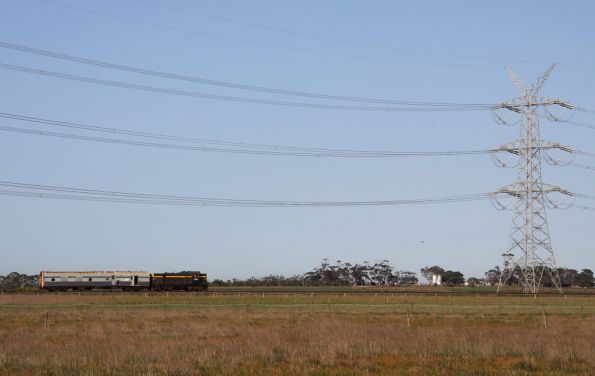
pixel 295 334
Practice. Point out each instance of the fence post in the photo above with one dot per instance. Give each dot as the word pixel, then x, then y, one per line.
pixel 45 320
pixel 544 317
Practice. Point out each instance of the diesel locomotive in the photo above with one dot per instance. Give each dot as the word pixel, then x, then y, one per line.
pixel 125 281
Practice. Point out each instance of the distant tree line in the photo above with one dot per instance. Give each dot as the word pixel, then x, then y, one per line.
pixel 568 277
pixel 382 273
pixel 379 273
pixel 16 280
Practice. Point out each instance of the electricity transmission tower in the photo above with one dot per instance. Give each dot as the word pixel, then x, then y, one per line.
pixel 529 255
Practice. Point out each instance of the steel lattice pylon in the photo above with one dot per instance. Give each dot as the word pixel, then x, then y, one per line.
pixel 530 252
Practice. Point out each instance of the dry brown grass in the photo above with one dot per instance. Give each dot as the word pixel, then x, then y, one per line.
pixel 252 335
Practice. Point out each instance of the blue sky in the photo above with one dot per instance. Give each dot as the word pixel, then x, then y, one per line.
pixel 38 234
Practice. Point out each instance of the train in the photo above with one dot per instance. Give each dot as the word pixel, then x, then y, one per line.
pixel 123 281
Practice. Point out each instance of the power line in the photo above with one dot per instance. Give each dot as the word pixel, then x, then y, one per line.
pixel 232 147
pixel 69 193
pixel 311 50
pixel 234 85
pixel 82 194
pixel 238 147
pixel 583 153
pixel 572 122
pixel 254 42
pixel 340 40
pixel 245 151
pixel 585 110
pixel 217 204
pixel 94 195
pixel 583 207
pixel 580 124
pixel 580 165
pixel 585 196
pixel 47 73
pixel 162 136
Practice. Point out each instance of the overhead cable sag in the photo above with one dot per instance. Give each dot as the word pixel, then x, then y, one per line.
pixel 228 147
pixel 177 28
pixel 84 194
pixel 59 192
pixel 155 89
pixel 229 84
pixel 223 146
pixel 308 35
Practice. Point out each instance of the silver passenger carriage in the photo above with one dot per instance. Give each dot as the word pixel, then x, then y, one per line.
pixel 63 281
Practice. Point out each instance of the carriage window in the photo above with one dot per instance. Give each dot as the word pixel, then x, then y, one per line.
pixel 90 279
pixel 53 279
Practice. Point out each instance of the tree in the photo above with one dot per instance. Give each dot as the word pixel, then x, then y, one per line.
pixel 328 274
pixel 381 273
pixel 546 276
pixel 453 278
pixel 428 271
pixel 567 277
pixel 475 282
pixel 16 280
pixel 585 278
pixel 406 278
pixel 359 274
pixel 492 276
pixel 508 278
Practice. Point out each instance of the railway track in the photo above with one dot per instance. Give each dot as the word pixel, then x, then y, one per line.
pixel 309 292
